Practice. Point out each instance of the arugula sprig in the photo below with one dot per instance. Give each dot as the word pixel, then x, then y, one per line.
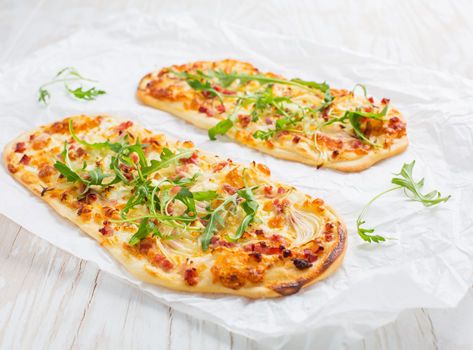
pixel 68 75
pixel 411 189
pixel 156 198
pixel 230 204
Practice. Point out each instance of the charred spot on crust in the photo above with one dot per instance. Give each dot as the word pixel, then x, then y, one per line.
pixel 301 264
pixel 288 288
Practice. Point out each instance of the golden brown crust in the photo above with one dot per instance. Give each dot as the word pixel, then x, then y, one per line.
pixel 179 101
pixel 280 280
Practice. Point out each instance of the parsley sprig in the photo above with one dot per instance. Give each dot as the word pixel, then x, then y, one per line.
pixel 69 75
pixel 412 190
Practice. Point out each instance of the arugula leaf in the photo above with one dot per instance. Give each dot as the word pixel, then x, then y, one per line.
pixel 220 128
pixel 166 159
pixel 411 190
pixel 143 230
pixel 69 174
pixel 319 86
pixel 66 75
pixel 205 195
pixel 97 176
pixel 87 95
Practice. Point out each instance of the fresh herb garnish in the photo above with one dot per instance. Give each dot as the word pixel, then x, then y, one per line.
pixel 249 205
pixel 156 198
pixel 69 75
pixel 412 190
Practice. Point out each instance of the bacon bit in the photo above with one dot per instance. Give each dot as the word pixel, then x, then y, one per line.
pixel 368 110
pixel 20 147
pixel 335 153
pixel 44 190
pixel 32 136
pixel 259 232
pixel 280 205
pixel 221 243
pixel 145 246
pixel 123 126
pixel 190 276
pixel 371 99
pixel 106 230
pixel 25 159
pixel 268 120
pixel 84 209
pixel 126 171
pixel 281 190
pixel 244 120
pixel 219 166
pixel 64 196
pixel 88 197
pixel 301 264
pixel 385 101
pixel 220 109
pixel 328 231
pixel 162 262
pixel 225 92
pixel 46 171
pixel 175 190
pixel 229 189
pixel 286 253
pixel 256 256
pixel 208 94
pixel 263 248
pixel 134 157
pixel 309 256
pixel 203 109
pixel 276 238
pixel 109 211
pixel 193 159
pixel 296 139
pixel 203 221
pixel 268 191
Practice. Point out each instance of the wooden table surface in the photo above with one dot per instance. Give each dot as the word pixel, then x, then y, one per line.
pixel 50 299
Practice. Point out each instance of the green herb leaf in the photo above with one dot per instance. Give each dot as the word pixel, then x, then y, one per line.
pixel 143 230
pixel 319 86
pixel 205 195
pixel 68 75
pixel 88 95
pixel 412 189
pixel 220 129
pixel 166 159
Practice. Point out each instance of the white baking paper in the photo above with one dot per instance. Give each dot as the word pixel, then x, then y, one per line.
pixel 428 265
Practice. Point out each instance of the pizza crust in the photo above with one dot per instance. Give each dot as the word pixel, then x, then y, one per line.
pixel 291 282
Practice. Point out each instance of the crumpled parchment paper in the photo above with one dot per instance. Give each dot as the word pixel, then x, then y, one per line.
pixel 428 265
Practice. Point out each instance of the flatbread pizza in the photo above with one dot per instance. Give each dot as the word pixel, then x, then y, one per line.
pixel 298 120
pixel 175 216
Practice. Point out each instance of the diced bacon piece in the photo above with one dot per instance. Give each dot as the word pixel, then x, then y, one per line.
pixel 162 262
pixel 193 159
pixel 20 147
pixel 106 230
pixel 175 190
pixel 281 190
pixel 280 206
pixel 46 171
pixel 219 166
pixel 203 109
pixel 385 101
pixel 229 189
pixel 220 109
pixel 190 276
pixel 25 160
pixel 268 120
pixel 123 126
pixel 296 139
pixel 244 120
